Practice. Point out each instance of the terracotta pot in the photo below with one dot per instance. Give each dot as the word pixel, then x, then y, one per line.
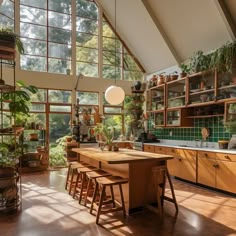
pixel 33 137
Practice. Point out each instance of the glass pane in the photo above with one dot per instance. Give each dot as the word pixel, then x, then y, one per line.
pixel 40 96
pixel 33 3
pixel 58 126
pixel 33 31
pixel 37 107
pixel 59 50
pixel 87 69
pixel 111 72
pixel 110 44
pixel 59 35
pixel 36 118
pixel 58 66
pixel 6 123
pixel 129 63
pixel 6 21
pixel 107 31
pixel 88 98
pixel 63 6
pixel 54 108
pixel 7 8
pixel 59 96
pixel 116 122
pixel 87 40
pixel 59 20
pixel 112 110
pixel 87 54
pixel 33 63
pixel 87 25
pixel 86 9
pixel 133 75
pixel 35 47
pixel 109 58
pixel 33 15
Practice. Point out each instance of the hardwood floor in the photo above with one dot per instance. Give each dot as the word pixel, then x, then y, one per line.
pixel 48 210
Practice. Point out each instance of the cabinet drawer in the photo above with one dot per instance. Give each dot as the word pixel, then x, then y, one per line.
pixel 160 150
pixel 203 154
pixel 148 148
pixel 226 157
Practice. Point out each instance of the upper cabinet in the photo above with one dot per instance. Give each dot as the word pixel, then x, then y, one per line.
pixel 176 93
pixel 201 88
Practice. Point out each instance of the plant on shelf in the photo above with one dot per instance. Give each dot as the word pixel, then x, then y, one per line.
pixel 8 36
pixel 199 62
pixel 185 70
pixel 19 101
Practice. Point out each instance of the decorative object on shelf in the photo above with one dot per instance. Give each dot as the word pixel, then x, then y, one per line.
pixel 137 85
pixel 223 144
pixel 185 70
pixel 115 95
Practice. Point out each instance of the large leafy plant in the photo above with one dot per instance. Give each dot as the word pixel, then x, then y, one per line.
pixel 19 100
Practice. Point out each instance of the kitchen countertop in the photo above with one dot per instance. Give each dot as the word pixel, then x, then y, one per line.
pixel 192 147
pixel 122 156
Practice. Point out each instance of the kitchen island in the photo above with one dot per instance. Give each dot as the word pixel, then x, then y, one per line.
pixel 131 164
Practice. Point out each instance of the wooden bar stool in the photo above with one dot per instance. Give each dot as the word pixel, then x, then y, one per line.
pixel 81 180
pixel 71 173
pixel 159 177
pixel 92 176
pixel 116 206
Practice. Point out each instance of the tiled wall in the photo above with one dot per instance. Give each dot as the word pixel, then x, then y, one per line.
pixel 215 125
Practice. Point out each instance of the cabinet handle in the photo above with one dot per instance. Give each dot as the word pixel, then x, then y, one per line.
pixel 216 165
pixel 173 150
pixel 206 155
pixel 227 157
pixel 180 159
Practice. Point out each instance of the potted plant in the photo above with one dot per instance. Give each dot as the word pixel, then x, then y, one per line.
pixel 185 70
pixel 19 101
pixel 10 40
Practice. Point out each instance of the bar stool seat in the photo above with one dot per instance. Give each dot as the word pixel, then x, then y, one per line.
pixel 80 182
pixel 160 173
pixel 116 206
pixel 92 176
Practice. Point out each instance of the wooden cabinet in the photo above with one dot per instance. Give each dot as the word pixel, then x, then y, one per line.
pixel 178 117
pixel 217 170
pixel 149 148
pixel 184 163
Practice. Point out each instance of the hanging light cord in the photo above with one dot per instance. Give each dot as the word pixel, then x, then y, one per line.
pixel 115 46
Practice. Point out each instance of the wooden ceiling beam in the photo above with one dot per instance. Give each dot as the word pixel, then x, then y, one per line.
pixel 227 18
pixel 162 32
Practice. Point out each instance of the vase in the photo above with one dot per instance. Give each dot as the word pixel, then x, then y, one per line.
pixel 232 142
pixel 137 85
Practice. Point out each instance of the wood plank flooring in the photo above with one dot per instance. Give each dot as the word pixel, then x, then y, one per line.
pixel 48 210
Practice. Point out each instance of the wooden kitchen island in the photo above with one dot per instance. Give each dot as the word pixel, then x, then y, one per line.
pixel 131 164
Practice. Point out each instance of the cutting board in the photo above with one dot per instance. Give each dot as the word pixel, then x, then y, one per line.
pixel 205 133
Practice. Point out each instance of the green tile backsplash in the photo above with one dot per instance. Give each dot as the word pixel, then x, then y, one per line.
pixel 215 125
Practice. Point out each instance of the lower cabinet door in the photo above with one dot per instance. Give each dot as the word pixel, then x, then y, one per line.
pixel 207 171
pixel 226 176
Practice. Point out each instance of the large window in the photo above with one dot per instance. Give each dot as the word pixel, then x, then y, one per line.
pixel 87 38
pixel 118 63
pixel 7 14
pixel 45 28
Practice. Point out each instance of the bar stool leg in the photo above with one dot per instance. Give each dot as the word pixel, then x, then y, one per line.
pixel 72 179
pixel 172 191
pixel 86 194
pixel 94 197
pixel 76 183
pixel 122 200
pixel 100 203
pixel 112 196
pixel 83 178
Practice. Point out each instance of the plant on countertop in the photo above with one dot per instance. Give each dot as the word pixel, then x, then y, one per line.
pixel 7 34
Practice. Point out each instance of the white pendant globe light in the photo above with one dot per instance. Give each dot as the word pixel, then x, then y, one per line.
pixel 115 95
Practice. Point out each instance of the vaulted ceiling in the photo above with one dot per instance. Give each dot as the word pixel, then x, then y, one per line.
pixel 164 33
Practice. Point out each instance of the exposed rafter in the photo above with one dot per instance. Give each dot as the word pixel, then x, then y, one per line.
pixel 227 18
pixel 162 31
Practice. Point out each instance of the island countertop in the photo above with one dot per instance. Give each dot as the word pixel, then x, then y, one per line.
pixel 120 157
